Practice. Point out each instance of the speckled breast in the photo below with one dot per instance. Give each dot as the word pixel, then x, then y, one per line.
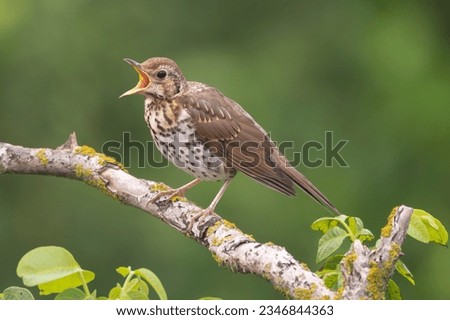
pixel 174 135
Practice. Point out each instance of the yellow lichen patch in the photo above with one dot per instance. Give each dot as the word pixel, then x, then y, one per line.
pixel 229 224
pixel 99 184
pixel 395 251
pixel 217 259
pixel 85 150
pixel 339 293
pixel 217 241
pixel 394 254
pixel 267 269
pixel 102 158
pixel 349 260
pixel 378 276
pixel 211 230
pixel 157 187
pixel 87 176
pixel 81 172
pixel 305 294
pixel 386 230
pixel 42 157
pixel 375 282
pixel 304 266
pixel 178 198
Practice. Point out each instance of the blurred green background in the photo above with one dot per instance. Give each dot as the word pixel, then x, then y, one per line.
pixel 376 73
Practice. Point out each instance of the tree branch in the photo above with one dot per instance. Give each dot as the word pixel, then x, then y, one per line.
pixel 228 245
pixel 366 272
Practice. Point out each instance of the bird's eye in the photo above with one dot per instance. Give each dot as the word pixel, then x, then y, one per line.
pixel 161 74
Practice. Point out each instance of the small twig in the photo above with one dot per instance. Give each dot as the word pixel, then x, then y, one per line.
pixel 367 271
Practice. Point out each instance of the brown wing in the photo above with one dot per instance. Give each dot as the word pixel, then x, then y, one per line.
pixel 233 134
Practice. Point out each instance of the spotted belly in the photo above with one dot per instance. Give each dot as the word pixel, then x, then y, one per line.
pixel 176 140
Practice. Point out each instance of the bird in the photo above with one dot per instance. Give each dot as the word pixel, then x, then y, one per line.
pixel 210 136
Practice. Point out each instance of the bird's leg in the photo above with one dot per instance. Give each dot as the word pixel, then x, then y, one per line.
pixel 210 209
pixel 174 192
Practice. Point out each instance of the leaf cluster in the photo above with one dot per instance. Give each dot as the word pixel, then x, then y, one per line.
pixel 54 270
pixel 422 227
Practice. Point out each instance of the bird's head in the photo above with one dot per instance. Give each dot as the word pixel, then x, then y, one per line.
pixel 158 77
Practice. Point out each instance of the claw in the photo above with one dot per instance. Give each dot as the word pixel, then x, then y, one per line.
pixel 165 191
pixel 171 193
pixel 199 217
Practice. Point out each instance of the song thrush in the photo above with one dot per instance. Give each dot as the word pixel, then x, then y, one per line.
pixel 209 135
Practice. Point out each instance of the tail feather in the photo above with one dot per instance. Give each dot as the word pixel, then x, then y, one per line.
pixel 300 180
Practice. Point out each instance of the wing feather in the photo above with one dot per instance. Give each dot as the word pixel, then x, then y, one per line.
pixel 245 146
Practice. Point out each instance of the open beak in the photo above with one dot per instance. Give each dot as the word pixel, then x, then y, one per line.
pixel 144 80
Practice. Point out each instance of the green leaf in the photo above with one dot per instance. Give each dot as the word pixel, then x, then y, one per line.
pixel 332 262
pixel 393 290
pixel 426 228
pixel 123 271
pixel 357 227
pixel 365 235
pixel 353 225
pixel 17 293
pixel 133 284
pixel 72 294
pixel 114 293
pixel 70 281
pixel 153 281
pixel 210 298
pixel 52 269
pixel 136 295
pixel 330 242
pixel 143 287
pixel 418 230
pixel 92 296
pixel 325 224
pixel 403 270
pixel 331 279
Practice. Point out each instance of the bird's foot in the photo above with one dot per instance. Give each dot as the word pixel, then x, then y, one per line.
pixel 171 193
pixel 164 190
pixel 199 217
